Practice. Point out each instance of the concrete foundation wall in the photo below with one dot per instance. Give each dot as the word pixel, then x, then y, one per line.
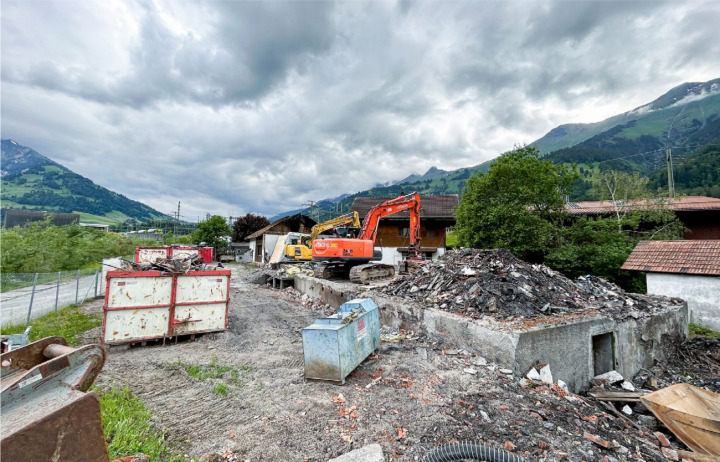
pixel 329 292
pixel 575 351
pixel 493 345
pixel 702 294
pixel 639 343
pixel 573 357
pixel 567 349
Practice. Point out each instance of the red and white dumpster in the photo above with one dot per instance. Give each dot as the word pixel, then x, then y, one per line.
pixel 146 305
pixel 150 254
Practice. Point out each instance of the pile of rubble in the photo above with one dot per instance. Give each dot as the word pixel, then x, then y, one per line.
pixel 171 265
pixel 307 301
pixel 480 283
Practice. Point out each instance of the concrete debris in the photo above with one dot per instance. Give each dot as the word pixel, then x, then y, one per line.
pixel 470 371
pixel 370 453
pixel 627 385
pixel 627 410
pixel 545 375
pixel 480 283
pixel 286 271
pixel 610 377
pixel 533 374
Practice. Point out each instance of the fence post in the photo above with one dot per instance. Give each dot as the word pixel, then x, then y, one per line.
pixel 57 291
pixel 32 296
pixel 96 281
pixel 77 287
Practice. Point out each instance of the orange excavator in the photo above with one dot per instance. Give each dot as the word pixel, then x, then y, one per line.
pixel 351 256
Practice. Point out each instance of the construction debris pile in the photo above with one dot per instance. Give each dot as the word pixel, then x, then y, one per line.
pixel 696 361
pixel 308 302
pixel 290 270
pixel 181 265
pixel 494 283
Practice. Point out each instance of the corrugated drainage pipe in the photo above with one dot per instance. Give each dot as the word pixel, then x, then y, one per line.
pixel 473 451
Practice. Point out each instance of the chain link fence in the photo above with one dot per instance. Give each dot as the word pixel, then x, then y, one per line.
pixel 26 296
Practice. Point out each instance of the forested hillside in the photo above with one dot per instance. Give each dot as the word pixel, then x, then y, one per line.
pixel 32 181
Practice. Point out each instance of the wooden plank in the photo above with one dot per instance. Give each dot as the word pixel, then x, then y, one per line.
pixel 622 396
pixel 697 457
pixel 691 413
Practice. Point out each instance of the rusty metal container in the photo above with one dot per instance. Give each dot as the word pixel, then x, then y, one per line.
pixel 46 412
pixel 146 305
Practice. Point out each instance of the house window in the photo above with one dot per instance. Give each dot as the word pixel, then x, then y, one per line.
pixel 404 232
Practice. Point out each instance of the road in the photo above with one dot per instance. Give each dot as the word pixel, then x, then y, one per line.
pixel 14 304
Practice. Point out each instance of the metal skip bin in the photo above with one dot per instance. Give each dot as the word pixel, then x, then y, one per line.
pixel 146 305
pixel 334 346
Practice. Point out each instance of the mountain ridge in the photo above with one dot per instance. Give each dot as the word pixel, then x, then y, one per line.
pixel 33 181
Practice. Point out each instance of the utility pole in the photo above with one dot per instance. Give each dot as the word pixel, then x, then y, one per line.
pixel 671 179
pixel 311 204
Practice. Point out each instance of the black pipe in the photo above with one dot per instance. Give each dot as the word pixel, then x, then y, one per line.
pixel 474 451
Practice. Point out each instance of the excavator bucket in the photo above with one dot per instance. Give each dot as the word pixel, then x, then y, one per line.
pixel 47 413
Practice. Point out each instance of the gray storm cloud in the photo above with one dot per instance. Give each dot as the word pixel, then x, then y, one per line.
pixel 233 107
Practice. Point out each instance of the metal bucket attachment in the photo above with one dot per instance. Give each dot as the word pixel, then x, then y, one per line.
pixel 46 414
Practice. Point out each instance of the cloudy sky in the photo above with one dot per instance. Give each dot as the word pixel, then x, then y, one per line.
pixel 241 106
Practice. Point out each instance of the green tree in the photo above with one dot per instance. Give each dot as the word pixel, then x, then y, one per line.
pixel 212 231
pixel 517 205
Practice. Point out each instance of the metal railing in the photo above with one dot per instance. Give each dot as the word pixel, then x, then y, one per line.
pixel 26 296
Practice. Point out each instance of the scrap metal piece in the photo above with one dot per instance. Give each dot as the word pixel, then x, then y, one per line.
pixel 46 414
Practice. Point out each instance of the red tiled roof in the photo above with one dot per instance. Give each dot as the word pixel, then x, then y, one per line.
pixel 430 206
pixel 686 257
pixel 676 204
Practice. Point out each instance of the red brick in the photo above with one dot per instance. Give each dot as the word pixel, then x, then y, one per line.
pixel 597 440
pixel 663 440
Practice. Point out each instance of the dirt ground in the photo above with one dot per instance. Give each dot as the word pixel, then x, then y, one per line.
pixel 415 394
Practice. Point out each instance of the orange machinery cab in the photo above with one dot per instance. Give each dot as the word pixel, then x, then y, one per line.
pixel 339 249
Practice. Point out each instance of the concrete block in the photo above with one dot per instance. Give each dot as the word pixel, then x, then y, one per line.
pixel 369 453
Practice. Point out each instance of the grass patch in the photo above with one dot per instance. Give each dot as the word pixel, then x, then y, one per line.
pixel 127 427
pixel 220 389
pixel 700 331
pixel 224 375
pixel 69 322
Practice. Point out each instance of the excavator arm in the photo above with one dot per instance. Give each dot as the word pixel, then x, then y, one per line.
pixel 347 220
pixel 411 202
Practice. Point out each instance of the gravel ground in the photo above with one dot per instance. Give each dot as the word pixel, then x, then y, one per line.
pixel 415 394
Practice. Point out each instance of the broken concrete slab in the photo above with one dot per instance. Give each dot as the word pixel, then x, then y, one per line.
pixel 369 453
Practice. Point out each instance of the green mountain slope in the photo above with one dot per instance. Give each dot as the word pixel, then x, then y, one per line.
pixel 686 119
pixel 32 181
pixel 671 119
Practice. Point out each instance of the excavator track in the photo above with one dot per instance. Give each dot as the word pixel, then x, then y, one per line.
pixel 363 274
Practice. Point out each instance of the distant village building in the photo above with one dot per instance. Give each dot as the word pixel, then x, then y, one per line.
pixel 262 242
pixel 153 234
pixel 105 228
pixel 437 214
pixel 699 214
pixel 685 269
pixel 15 217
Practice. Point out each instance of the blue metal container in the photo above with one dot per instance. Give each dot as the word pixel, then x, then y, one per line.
pixel 334 346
